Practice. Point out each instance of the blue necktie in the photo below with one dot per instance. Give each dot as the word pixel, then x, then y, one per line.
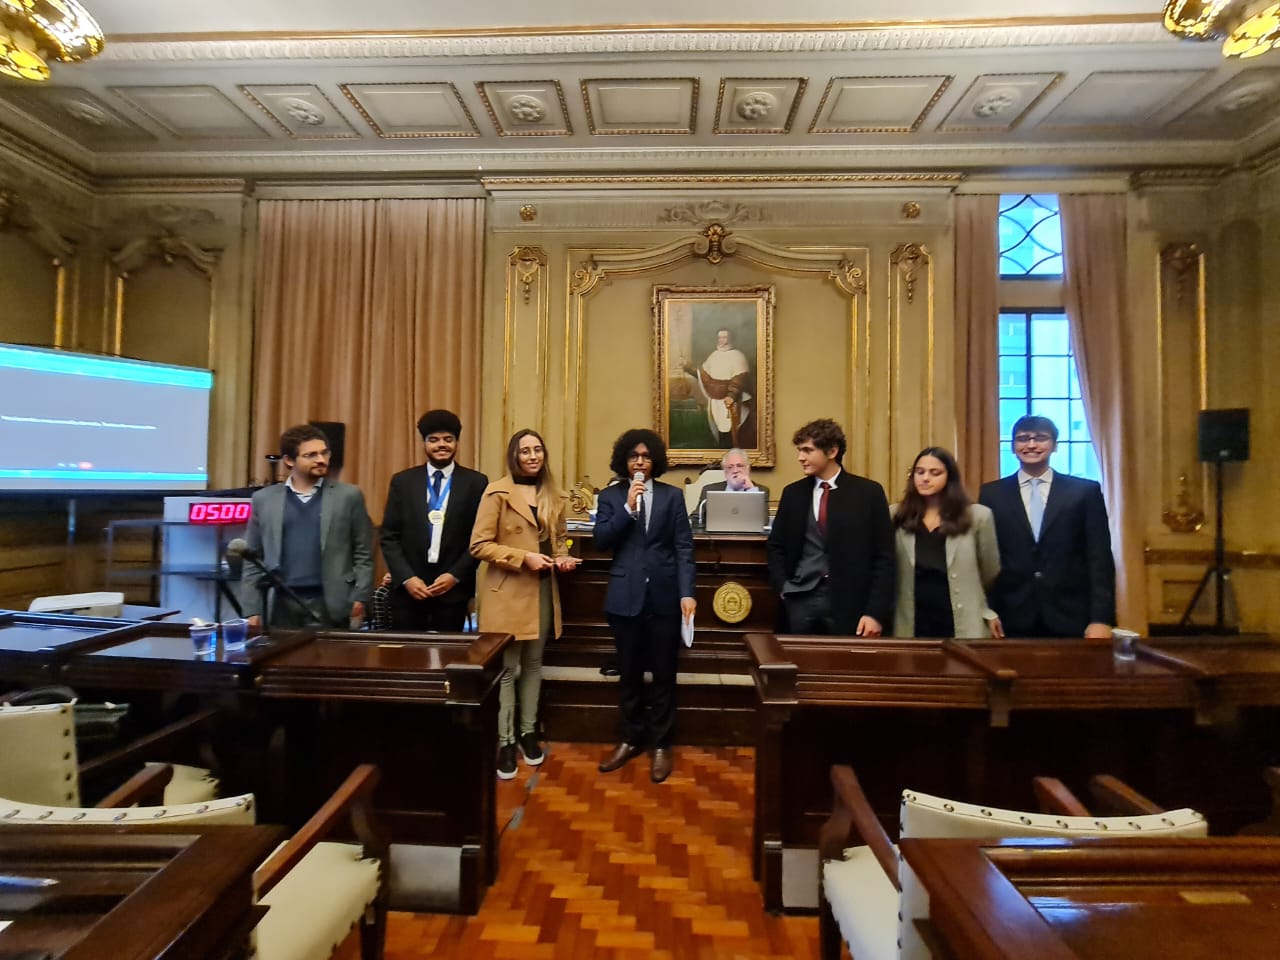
pixel 435 489
pixel 1035 509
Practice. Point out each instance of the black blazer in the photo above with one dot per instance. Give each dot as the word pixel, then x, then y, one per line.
pixel 658 561
pixel 406 536
pixel 1067 580
pixel 862 565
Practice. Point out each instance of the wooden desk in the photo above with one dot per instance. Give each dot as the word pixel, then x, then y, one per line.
pixel 423 707
pixel 977 721
pixel 33 645
pixel 1131 899
pixel 125 894
pixel 585 707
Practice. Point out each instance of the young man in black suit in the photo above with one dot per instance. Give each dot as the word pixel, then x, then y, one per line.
pixel 1057 575
pixel 426 532
pixel 650 591
pixel 831 550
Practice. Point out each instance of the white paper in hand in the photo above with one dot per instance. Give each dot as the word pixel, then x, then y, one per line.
pixel 686 631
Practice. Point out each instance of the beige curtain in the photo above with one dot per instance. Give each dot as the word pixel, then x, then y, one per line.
pixel 1094 268
pixel 977 353
pixel 369 312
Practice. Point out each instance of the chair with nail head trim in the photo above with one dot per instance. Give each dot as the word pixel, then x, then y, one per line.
pixel 870 897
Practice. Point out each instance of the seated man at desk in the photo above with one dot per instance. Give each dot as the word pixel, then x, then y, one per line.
pixel 737 478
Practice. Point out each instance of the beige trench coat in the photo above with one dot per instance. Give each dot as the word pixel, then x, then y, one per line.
pixel 504 532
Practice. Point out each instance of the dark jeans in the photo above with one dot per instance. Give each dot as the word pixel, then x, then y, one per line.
pixel 647 642
pixel 435 613
pixel 811 612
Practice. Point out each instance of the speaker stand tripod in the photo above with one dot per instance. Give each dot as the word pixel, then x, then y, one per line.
pixel 1219 574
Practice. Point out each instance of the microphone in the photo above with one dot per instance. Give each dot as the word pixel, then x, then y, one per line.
pixel 639 477
pixel 239 549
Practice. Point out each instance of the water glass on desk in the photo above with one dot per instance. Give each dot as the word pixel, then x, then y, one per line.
pixel 235 634
pixel 204 638
pixel 1124 644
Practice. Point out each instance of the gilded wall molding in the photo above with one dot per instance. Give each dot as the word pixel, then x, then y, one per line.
pixel 16 216
pixel 527 290
pixel 1183 382
pixel 617 40
pixel 913 362
pixel 165 249
pixel 846 268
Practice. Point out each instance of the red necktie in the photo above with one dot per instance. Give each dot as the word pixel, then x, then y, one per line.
pixel 822 508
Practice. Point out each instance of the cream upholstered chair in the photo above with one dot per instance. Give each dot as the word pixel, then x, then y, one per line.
pixel 693 487
pixel 39 761
pixel 869 895
pixel 316 891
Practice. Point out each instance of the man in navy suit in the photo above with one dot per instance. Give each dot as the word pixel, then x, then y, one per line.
pixel 650 591
pixel 1057 576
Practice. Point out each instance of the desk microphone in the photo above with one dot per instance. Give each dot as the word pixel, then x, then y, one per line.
pixel 239 549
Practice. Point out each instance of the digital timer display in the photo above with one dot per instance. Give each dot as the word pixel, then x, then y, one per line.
pixel 218 511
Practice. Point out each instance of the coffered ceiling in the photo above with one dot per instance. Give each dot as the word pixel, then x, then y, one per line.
pixel 398 88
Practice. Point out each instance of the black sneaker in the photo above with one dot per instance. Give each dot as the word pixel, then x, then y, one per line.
pixel 507 761
pixel 531 749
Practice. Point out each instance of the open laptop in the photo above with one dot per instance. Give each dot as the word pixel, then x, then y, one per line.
pixel 736 512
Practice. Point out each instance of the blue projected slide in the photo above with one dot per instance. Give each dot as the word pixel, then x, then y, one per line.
pixel 70 421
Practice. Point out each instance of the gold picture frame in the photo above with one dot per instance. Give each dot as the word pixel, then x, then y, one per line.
pixel 704 407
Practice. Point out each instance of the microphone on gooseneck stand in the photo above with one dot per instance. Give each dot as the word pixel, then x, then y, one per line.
pixel 239 549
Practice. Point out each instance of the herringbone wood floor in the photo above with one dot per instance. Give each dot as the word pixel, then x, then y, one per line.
pixel 614 867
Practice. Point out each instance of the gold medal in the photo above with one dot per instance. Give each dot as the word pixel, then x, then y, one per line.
pixel 435 517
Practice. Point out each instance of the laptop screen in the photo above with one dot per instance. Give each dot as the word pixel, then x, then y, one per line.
pixel 736 511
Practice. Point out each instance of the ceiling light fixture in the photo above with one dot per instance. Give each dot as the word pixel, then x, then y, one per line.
pixel 1246 28
pixel 33 32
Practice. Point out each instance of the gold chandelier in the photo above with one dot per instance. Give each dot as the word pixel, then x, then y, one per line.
pixel 33 32
pixel 1246 28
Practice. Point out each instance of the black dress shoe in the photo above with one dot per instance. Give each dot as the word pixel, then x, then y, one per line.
pixel 621 754
pixel 660 764
pixel 609 670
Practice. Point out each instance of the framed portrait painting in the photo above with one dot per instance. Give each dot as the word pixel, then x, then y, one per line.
pixel 713 382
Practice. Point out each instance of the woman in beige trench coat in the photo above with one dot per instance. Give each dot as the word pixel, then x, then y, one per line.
pixel 520 533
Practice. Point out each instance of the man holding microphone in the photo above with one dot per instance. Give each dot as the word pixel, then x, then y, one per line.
pixel 650 593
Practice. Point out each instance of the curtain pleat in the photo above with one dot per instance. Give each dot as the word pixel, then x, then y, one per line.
pixel 977 315
pixel 1094 261
pixel 369 312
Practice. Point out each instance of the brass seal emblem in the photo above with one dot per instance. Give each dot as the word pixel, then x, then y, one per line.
pixel 732 602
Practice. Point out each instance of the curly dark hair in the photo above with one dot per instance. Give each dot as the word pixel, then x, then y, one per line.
pixel 955 502
pixel 824 434
pixel 296 436
pixel 632 439
pixel 439 421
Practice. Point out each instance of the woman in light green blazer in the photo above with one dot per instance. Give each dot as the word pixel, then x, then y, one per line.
pixel 947 554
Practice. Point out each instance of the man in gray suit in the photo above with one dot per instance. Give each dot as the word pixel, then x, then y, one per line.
pixel 315 536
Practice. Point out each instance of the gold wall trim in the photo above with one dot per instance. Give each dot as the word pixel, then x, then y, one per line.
pixel 827 26
pixel 1182 380
pixel 588 268
pixel 910 273
pixel 1236 559
pixel 17 216
pixel 166 248
pixel 730 179
pixel 527 288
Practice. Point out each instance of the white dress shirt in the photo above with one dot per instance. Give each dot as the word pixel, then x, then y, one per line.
pixel 304 497
pixel 433 551
pixel 1024 488
pixel 817 491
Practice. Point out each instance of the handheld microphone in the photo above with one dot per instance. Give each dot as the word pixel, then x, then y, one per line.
pixel 639 477
pixel 239 549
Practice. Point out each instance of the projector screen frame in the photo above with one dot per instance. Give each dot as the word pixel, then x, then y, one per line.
pixel 147 377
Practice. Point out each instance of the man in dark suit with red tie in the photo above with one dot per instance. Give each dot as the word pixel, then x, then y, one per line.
pixel 426 532
pixel 831 548
pixel 650 591
pixel 1057 575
